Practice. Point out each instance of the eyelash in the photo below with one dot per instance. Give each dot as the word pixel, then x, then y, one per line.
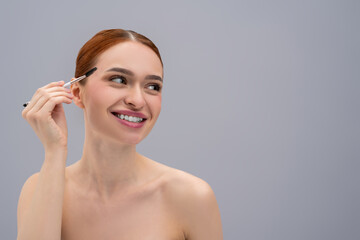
pixel 117 77
pixel 157 87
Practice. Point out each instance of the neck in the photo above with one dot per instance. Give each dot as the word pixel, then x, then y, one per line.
pixel 107 167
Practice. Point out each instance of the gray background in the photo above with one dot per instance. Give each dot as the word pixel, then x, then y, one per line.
pixel 261 100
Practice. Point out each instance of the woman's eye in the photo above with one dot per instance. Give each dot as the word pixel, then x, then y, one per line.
pixel 155 87
pixel 118 79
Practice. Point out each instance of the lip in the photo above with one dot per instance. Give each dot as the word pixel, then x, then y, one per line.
pixel 130 124
pixel 130 113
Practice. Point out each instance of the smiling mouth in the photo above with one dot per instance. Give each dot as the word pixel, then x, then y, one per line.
pixel 129 118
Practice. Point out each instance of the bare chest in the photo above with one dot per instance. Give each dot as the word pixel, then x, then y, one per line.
pixel 144 215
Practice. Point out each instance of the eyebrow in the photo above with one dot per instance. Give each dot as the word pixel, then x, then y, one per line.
pixel 130 73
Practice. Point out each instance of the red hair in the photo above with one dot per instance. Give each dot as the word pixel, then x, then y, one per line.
pixel 102 41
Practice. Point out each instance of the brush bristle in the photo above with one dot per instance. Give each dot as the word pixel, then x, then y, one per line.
pixel 90 72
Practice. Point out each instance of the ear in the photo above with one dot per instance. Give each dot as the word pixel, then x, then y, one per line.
pixel 77 92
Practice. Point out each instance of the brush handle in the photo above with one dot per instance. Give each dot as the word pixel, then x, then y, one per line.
pixel 68 84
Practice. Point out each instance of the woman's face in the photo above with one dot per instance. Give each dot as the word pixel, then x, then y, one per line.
pixel 122 99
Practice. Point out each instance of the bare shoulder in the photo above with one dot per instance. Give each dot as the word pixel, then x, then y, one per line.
pixel 26 194
pixel 185 185
pixel 194 203
pixel 28 187
pixel 179 183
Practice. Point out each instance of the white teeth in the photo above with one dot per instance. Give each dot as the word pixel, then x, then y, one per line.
pixel 129 118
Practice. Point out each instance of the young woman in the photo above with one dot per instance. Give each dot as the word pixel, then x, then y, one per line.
pixel 112 192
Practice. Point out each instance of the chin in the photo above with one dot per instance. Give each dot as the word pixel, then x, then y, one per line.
pixel 123 137
pixel 130 140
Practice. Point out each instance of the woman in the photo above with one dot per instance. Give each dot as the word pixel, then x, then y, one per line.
pixel 112 192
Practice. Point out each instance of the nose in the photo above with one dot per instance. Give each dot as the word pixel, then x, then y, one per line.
pixel 134 98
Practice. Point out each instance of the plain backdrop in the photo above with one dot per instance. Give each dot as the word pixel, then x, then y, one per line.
pixel 260 99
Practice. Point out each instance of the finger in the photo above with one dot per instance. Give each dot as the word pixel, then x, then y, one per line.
pixel 40 103
pixel 48 108
pixel 42 113
pixel 37 95
pixel 45 98
pixel 54 84
pixel 50 105
pixel 40 92
pixel 51 87
pixel 58 89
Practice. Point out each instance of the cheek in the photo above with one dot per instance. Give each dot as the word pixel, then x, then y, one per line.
pixel 97 100
pixel 154 103
pixel 98 95
pixel 93 103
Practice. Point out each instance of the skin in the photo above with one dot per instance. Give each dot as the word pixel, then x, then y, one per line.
pixel 112 192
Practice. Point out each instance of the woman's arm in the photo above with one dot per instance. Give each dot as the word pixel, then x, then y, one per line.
pixel 41 199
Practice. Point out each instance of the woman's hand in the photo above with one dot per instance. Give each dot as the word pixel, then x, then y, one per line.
pixel 46 115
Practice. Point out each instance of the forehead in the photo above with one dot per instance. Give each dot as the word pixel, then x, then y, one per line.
pixel 131 55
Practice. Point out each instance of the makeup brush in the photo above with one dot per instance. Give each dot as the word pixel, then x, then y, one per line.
pixel 68 84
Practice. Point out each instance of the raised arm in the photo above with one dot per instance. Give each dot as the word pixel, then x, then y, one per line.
pixel 41 198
